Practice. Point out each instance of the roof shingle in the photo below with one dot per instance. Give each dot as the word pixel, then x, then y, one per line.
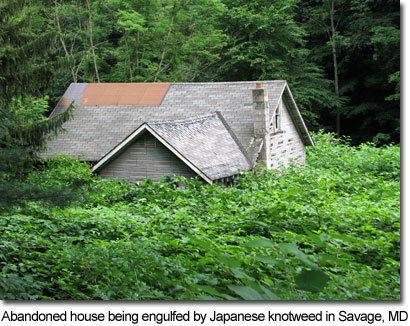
pixel 207 142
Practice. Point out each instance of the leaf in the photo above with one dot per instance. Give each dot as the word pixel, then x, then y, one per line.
pixel 203 242
pixel 209 290
pixel 239 273
pixel 260 223
pixel 257 243
pixel 323 258
pixel 291 248
pixel 288 248
pixel 229 297
pixel 315 238
pixel 206 297
pixel 245 292
pixel 269 295
pixel 313 281
pixel 228 260
pixel 343 237
pixel 267 260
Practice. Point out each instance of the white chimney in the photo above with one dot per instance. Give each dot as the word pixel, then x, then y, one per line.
pixel 261 120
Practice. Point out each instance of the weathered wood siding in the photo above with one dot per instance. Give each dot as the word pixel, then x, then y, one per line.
pixel 146 158
pixel 286 146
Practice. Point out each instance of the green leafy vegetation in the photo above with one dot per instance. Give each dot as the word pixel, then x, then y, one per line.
pixel 350 40
pixel 328 230
pixel 24 129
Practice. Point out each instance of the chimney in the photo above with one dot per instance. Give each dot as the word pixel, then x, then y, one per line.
pixel 260 110
pixel 261 119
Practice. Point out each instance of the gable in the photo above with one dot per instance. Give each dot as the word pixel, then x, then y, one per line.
pixel 286 145
pixel 296 117
pixel 205 144
pixel 293 111
pixel 144 158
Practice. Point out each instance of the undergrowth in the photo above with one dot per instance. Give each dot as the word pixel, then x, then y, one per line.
pixel 327 230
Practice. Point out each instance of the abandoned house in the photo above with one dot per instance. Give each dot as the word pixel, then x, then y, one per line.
pixel 135 131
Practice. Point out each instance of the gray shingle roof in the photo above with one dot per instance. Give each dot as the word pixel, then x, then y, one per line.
pixel 96 130
pixel 206 143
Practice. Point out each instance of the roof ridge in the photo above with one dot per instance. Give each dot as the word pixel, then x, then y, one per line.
pixel 193 83
pixel 234 137
pixel 229 82
pixel 188 120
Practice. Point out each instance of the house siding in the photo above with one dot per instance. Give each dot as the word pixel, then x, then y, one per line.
pixel 286 146
pixel 146 158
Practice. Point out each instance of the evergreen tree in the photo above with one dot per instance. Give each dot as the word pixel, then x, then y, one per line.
pixel 24 69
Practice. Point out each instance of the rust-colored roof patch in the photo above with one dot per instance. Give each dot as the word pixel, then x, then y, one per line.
pixel 107 94
pixel 64 102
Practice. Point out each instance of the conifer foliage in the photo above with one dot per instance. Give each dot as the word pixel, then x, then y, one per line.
pixel 24 69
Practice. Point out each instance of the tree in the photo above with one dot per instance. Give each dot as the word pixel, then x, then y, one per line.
pixel 341 57
pixel 72 41
pixel 327 15
pixel 23 128
pixel 265 42
pixel 19 144
pixel 166 40
pixel 366 40
pixel 24 39
pixel 137 40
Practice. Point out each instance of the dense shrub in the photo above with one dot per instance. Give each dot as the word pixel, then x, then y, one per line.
pixel 328 230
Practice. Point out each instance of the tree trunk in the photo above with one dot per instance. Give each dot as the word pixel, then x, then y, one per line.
pixel 90 31
pixel 60 33
pixel 335 66
pixel 137 48
pixel 128 55
pixel 164 49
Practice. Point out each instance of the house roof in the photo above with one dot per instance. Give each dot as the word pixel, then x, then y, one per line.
pixel 205 143
pixel 98 128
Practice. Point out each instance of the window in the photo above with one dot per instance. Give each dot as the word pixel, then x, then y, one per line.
pixel 277 119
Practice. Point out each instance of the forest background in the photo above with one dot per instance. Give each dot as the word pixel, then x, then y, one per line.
pixel 340 57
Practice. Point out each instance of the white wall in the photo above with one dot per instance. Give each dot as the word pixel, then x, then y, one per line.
pixel 285 146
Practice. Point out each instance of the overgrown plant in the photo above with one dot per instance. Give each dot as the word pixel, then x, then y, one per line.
pixel 328 230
